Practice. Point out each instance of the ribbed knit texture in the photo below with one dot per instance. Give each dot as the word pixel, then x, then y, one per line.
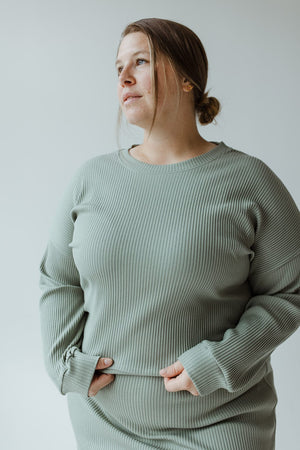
pixel 146 264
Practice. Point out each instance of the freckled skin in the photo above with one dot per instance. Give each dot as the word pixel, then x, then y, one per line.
pixel 135 75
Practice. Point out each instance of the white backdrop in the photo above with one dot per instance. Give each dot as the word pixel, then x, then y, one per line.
pixel 58 107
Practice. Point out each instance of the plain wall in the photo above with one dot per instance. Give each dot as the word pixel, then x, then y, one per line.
pixel 58 108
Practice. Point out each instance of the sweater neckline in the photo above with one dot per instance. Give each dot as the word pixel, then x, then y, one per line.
pixel 135 164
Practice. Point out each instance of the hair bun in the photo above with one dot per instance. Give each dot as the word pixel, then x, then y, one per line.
pixel 207 109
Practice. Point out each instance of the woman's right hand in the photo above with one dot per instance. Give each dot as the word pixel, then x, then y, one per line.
pixel 100 380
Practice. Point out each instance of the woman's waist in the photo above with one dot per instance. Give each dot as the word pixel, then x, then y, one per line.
pixel 140 402
pixel 142 354
pixel 133 361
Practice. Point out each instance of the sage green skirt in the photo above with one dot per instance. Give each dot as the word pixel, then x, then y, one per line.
pixel 136 412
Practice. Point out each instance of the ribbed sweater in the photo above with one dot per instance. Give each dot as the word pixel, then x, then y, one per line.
pixel 146 264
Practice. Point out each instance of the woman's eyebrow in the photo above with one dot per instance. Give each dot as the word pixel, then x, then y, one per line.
pixel 134 54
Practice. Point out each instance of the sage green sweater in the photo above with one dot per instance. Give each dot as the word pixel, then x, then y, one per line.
pixel 147 264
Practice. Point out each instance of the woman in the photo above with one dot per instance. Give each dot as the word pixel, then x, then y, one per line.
pixel 171 272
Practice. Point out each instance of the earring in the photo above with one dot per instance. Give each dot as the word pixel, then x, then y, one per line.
pixel 188 88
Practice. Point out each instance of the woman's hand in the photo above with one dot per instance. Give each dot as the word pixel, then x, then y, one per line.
pixel 100 380
pixel 176 379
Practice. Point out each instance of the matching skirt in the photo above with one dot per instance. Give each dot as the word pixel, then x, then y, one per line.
pixel 136 412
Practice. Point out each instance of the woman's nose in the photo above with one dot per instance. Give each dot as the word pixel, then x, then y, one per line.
pixel 126 77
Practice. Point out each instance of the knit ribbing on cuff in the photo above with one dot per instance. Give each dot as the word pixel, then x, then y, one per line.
pixel 78 376
pixel 203 369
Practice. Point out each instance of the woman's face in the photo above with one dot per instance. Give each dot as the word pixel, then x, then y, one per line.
pixel 134 72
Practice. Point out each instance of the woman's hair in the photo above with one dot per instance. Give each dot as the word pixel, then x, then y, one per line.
pixel 186 55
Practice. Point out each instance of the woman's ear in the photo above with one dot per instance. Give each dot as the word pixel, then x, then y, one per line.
pixel 186 85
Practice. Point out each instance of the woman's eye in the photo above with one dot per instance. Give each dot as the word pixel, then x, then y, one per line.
pixel 140 60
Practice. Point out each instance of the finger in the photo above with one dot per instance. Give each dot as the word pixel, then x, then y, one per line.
pixel 173 384
pixel 181 383
pixel 103 363
pixel 99 382
pixel 172 371
pixel 189 385
pixel 194 391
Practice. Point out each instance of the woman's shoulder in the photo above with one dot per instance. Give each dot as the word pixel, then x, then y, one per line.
pixel 246 159
pixel 95 165
pixel 252 167
pixel 257 178
pixel 98 161
pixel 90 170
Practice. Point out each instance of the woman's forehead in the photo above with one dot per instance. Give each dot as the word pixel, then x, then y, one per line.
pixel 136 43
pixel 132 43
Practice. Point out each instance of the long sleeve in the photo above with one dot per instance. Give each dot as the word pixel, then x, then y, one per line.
pixel 62 311
pixel 272 314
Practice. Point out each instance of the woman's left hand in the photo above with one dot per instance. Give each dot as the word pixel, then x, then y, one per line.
pixel 177 379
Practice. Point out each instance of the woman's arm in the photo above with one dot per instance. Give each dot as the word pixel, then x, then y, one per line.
pixel 62 322
pixel 61 304
pixel 272 314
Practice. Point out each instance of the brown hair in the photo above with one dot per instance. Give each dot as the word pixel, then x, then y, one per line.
pixel 186 55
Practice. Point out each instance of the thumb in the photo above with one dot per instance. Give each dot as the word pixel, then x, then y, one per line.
pixel 172 371
pixel 103 363
pixel 99 381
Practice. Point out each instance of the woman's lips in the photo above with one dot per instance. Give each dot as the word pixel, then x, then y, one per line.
pixel 131 99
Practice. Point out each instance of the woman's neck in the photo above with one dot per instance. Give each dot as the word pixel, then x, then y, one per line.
pixel 169 148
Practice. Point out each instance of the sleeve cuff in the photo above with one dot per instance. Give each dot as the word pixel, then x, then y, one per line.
pixel 78 376
pixel 203 369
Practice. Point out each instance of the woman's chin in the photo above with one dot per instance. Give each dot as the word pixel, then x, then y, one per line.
pixel 138 122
